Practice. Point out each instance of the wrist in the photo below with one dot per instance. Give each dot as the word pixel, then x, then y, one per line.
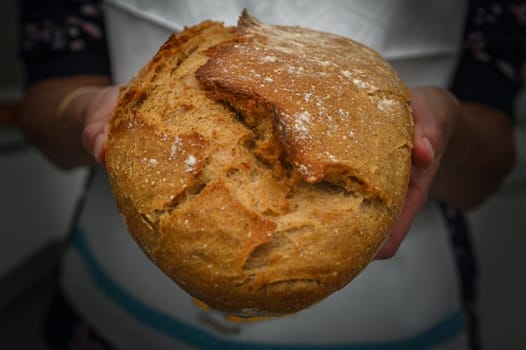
pixel 75 101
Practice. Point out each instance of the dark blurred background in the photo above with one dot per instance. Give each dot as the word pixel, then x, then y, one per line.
pixel 37 201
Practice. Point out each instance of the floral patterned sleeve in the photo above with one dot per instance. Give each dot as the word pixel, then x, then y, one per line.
pixel 62 38
pixel 490 69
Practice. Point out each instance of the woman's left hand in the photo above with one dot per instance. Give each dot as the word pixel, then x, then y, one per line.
pixel 435 112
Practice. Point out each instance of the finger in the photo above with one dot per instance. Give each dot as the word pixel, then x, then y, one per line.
pixel 398 231
pixel 433 124
pixel 416 198
pixel 94 139
pixel 99 150
pixel 423 153
pixel 99 113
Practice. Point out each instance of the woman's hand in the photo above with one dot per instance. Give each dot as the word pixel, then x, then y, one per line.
pixel 462 152
pixel 435 112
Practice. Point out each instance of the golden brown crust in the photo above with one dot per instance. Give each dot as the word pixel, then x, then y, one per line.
pixel 261 167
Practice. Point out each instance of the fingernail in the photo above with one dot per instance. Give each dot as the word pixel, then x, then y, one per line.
pixel 429 147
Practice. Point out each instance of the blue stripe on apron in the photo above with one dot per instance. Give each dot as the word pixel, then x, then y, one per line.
pixel 445 330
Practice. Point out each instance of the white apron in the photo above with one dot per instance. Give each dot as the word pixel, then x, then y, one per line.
pixel 408 302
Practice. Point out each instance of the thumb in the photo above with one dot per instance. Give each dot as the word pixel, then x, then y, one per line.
pixel 423 152
pixel 98 115
pixel 94 138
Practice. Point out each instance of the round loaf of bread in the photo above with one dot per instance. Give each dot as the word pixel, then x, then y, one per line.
pixel 261 167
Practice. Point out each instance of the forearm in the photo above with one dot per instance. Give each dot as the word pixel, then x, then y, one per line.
pixel 59 136
pixel 479 155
